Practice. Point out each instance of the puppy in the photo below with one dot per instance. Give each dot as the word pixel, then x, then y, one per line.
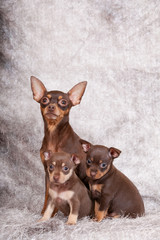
pixel 66 191
pixel 58 134
pixel 114 194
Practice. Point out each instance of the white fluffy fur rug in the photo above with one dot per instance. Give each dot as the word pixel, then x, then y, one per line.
pixel 114 45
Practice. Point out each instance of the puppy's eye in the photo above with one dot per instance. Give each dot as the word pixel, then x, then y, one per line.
pixel 51 167
pixel 89 162
pixel 45 100
pixel 65 168
pixel 103 165
pixel 63 102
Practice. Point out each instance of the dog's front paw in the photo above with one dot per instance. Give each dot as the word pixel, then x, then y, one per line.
pixel 41 220
pixel 99 216
pixel 71 223
pixel 72 219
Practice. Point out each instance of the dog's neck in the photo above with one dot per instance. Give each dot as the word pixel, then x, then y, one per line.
pixel 56 134
pixel 54 128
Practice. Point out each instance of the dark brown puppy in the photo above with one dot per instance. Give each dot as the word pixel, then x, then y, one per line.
pixel 66 191
pixel 58 134
pixel 114 194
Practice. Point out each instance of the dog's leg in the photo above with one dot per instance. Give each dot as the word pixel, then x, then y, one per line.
pixel 96 208
pixel 48 212
pixel 74 209
pixel 99 215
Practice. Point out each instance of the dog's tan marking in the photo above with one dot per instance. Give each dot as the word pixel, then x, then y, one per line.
pixel 51 176
pixel 117 216
pixel 100 215
pixel 72 219
pixel 54 163
pixel 49 96
pixel 100 161
pixel 53 193
pixel 63 178
pixel 97 187
pixel 66 195
pixel 60 97
pixel 101 174
pixel 114 215
pixel 63 164
pixel 96 208
pixel 48 212
pixel 51 127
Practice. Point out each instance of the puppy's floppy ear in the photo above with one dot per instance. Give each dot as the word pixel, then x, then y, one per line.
pixel 38 88
pixel 47 155
pixel 76 93
pixel 114 152
pixel 85 145
pixel 75 159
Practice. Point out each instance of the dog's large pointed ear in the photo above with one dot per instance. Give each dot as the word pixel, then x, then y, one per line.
pixel 114 152
pixel 75 159
pixel 38 88
pixel 85 145
pixel 76 93
pixel 47 155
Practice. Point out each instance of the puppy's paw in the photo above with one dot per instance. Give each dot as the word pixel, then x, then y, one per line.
pixel 72 219
pixel 71 223
pixel 43 219
pixel 100 216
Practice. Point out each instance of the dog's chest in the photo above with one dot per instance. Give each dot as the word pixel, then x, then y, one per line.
pixel 61 196
pixel 96 190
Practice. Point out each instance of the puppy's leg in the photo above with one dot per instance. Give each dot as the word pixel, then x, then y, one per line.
pixel 99 215
pixel 96 208
pixel 74 209
pixel 48 212
pixel 47 196
pixel 101 210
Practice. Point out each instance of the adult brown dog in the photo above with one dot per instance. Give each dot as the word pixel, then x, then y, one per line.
pixel 58 134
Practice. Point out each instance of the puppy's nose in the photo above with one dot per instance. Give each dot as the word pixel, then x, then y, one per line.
pixel 93 173
pixel 51 107
pixel 56 178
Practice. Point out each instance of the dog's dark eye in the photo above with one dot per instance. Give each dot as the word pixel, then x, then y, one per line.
pixel 103 165
pixel 63 102
pixel 51 167
pixel 65 168
pixel 45 100
pixel 89 162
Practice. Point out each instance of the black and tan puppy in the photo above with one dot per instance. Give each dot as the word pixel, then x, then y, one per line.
pixel 114 194
pixel 66 191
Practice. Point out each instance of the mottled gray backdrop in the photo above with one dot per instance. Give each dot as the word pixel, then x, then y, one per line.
pixel 115 46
